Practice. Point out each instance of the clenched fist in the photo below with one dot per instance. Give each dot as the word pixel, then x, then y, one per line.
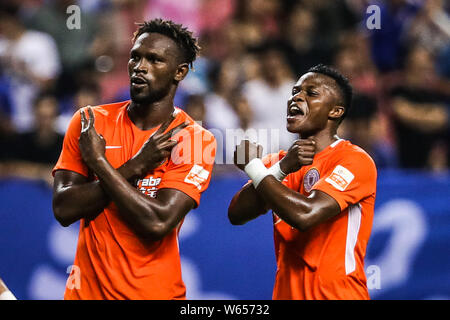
pixel 300 154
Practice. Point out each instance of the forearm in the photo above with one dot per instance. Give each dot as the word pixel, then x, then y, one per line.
pixel 139 211
pixel 246 205
pixel 293 207
pixel 72 202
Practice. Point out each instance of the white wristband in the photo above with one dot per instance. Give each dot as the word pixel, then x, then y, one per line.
pixel 7 295
pixel 257 171
pixel 275 170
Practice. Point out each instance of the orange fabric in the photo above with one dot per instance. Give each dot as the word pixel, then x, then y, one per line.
pixel 327 261
pixel 113 262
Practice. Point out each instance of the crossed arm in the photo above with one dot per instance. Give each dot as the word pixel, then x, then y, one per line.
pixel 76 197
pixel 297 210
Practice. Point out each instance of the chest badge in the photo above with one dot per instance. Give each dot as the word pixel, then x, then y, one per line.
pixel 310 178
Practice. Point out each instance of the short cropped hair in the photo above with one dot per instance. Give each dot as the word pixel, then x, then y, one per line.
pixel 342 83
pixel 187 43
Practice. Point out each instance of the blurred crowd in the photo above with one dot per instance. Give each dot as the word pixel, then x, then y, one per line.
pixel 253 51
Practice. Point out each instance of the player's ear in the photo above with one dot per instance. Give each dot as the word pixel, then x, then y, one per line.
pixel 336 112
pixel 182 71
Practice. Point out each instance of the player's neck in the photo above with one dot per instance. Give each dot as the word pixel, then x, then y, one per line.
pixel 150 115
pixel 323 139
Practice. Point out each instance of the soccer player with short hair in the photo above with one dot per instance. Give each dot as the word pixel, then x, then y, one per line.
pixel 321 192
pixel 119 175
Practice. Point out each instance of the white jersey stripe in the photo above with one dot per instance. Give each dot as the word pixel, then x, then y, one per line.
pixel 334 144
pixel 354 222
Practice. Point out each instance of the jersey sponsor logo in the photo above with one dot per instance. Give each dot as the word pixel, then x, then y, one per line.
pixel 310 179
pixel 197 176
pixel 340 178
pixel 149 186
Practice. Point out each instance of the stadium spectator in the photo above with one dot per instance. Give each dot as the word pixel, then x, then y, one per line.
pixel 388 43
pixel 305 51
pixel 200 16
pixel 29 61
pixel 267 96
pixel 225 79
pixel 430 28
pixel 420 112
pixel 195 108
pixel 74 45
pixel 230 39
pixel 258 21
pixel 89 94
pixel 366 124
pixel 33 154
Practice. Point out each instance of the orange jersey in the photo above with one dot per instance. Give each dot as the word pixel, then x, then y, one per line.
pixel 111 261
pixel 327 261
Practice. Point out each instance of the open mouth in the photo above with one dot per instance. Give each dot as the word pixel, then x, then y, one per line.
pixel 138 81
pixel 294 110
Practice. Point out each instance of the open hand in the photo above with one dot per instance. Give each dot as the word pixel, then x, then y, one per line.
pixel 157 148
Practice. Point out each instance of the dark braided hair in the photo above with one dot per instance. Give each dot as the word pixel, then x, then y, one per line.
pixel 181 35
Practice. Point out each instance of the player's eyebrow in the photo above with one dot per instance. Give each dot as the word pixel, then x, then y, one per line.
pixel 150 53
pixel 135 50
pixel 305 86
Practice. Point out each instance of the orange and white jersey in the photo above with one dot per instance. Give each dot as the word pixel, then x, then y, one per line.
pixel 327 261
pixel 112 262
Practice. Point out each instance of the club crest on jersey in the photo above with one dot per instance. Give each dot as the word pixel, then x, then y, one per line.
pixel 310 179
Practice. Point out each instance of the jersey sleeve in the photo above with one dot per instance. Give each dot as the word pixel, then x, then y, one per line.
pixel 191 173
pixel 351 179
pixel 70 157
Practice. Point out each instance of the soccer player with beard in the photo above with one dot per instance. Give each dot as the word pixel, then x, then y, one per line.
pixel 130 172
pixel 321 192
